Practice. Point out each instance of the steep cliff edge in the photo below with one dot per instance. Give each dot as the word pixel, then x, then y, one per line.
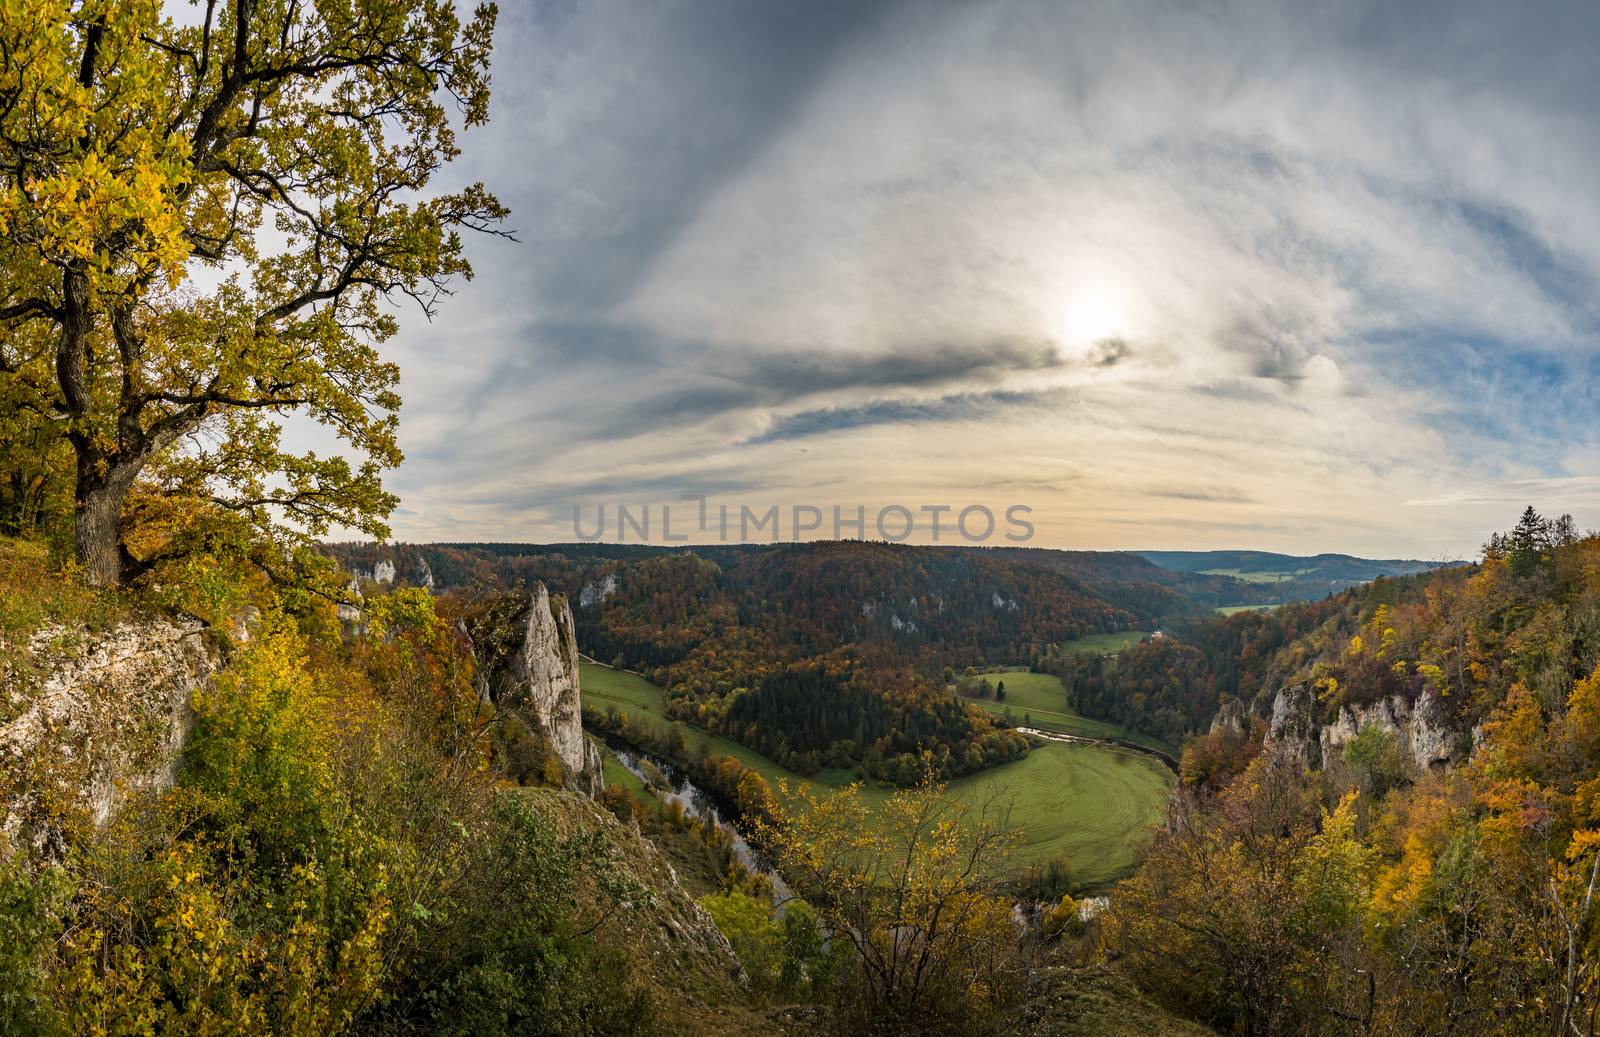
pixel 527 655
pixel 88 718
pixel 1425 731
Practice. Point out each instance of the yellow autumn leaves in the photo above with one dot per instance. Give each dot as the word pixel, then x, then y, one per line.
pixel 99 163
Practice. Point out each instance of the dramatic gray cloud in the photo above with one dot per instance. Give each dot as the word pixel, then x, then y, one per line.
pixel 1175 275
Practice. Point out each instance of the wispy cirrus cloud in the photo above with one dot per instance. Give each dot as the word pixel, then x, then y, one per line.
pixel 1581 492
pixel 1236 274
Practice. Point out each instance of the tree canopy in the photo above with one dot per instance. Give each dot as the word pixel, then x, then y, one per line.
pixel 206 223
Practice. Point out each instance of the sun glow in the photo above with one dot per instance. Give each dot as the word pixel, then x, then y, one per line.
pixel 1092 318
pixel 1095 307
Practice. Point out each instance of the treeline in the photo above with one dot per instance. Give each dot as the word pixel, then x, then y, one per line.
pixel 807 718
pixel 1133 582
pixel 1163 687
pixel 958 606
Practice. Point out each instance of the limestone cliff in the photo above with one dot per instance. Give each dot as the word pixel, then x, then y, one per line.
pixel 527 655
pixel 1233 717
pixel 89 718
pixel 1424 728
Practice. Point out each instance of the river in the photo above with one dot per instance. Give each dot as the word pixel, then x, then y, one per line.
pixel 702 806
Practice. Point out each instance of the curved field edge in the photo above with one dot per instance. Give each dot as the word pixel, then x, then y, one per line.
pixel 1095 804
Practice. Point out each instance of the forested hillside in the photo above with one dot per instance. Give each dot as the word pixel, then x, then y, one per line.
pixel 829 653
pixel 1321 873
pixel 1172 686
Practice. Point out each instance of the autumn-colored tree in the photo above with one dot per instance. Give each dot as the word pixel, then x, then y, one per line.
pixel 1456 898
pixel 35 459
pixel 1247 912
pixel 914 886
pixel 202 225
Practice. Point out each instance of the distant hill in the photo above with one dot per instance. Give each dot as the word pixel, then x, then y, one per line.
pixel 828 653
pixel 1290 577
pixel 928 606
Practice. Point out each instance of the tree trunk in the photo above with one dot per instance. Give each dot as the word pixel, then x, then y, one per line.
pixel 97 520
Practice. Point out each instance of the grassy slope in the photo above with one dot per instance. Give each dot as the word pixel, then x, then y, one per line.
pixel 1092 803
pixel 615 773
pixel 1104 644
pixel 31 595
pixel 1228 610
pixel 668 941
pixel 1094 1001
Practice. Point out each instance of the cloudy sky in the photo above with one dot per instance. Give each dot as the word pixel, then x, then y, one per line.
pixel 1305 277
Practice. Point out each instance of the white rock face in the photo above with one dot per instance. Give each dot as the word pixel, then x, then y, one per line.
pixel 1393 714
pixel 1292 727
pixel 1231 717
pixel 528 662
pixel 1422 728
pixel 1432 740
pixel 593 594
pixel 349 612
pixel 383 572
pixel 91 719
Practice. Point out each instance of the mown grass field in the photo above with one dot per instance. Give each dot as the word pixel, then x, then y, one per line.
pixel 1256 575
pixel 1104 644
pixel 1228 610
pixel 1093 803
pixel 615 773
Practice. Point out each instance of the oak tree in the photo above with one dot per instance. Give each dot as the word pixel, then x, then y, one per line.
pixel 205 224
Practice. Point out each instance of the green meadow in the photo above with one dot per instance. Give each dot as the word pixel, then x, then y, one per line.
pixel 1256 575
pixel 1228 610
pixel 1041 701
pixel 1104 644
pixel 1093 803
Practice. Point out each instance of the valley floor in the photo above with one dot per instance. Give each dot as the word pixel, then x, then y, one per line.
pixel 1094 804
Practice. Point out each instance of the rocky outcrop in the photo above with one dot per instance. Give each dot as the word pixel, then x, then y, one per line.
pixel 527 654
pixel 1292 729
pixel 89 719
pixel 1423 728
pixel 1231 717
pixel 592 594
pixel 1434 739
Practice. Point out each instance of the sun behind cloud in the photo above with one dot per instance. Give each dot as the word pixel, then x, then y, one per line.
pixel 1097 306
pixel 1092 318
